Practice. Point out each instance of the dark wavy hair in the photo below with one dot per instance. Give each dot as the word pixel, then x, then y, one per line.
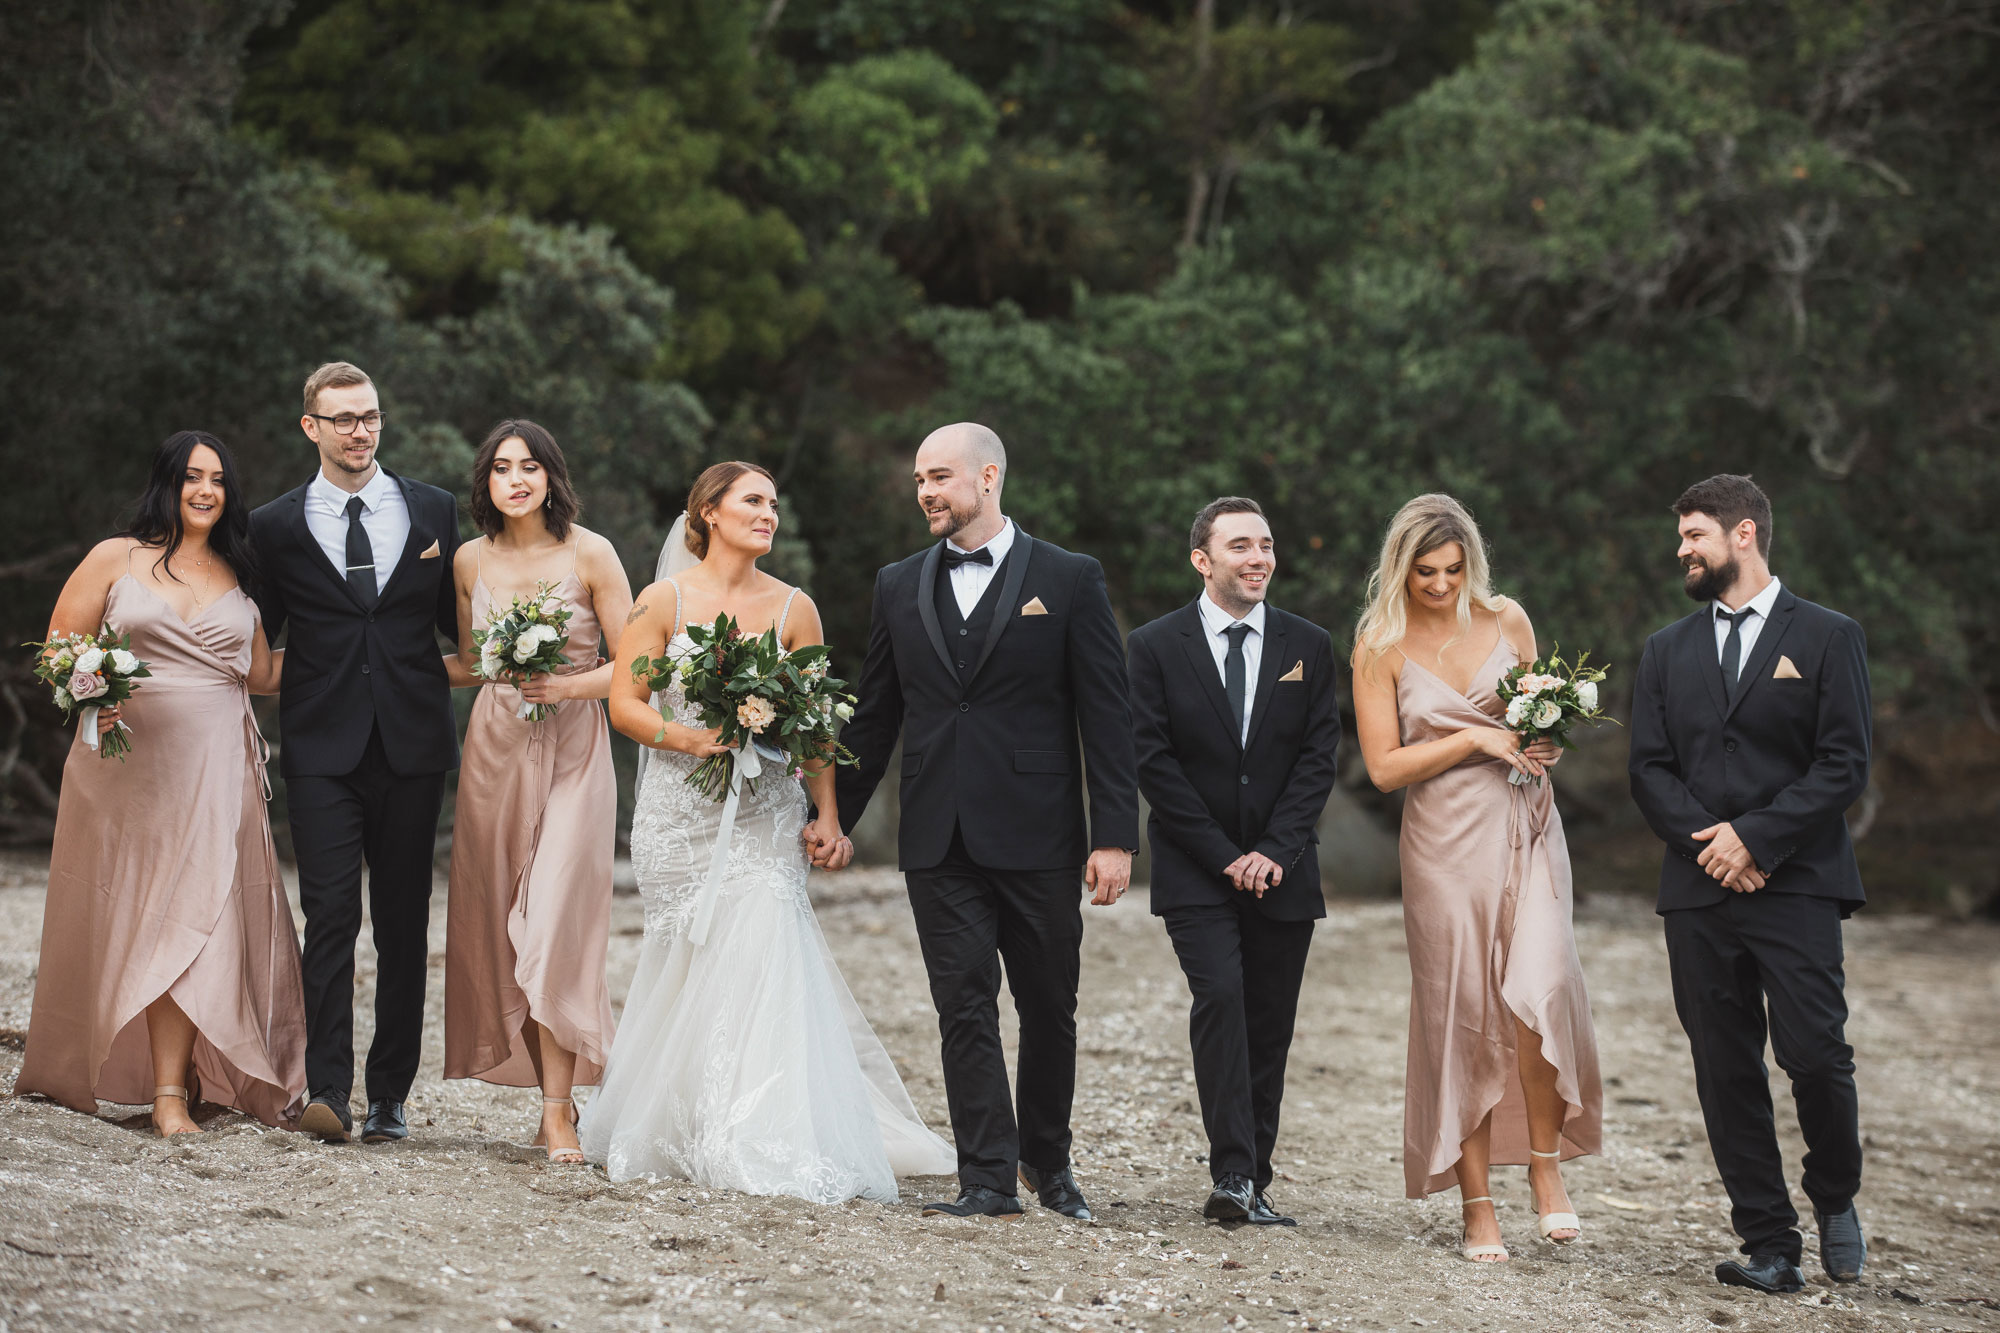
pixel 156 516
pixel 560 506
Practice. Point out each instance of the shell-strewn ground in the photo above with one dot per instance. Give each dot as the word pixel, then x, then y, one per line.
pixel 103 1226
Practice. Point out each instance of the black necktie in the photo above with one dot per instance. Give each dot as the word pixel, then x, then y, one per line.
pixel 953 557
pixel 1732 648
pixel 1234 683
pixel 360 555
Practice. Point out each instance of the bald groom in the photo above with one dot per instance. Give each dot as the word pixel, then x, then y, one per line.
pixel 997 659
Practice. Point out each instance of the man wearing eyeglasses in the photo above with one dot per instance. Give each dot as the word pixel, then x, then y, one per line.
pixel 356 564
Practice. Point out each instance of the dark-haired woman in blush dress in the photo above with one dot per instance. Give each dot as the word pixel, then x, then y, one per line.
pixel 1502 1063
pixel 525 1000
pixel 169 966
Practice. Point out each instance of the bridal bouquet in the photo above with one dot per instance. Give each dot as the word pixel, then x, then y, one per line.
pixel 782 705
pixel 88 673
pixel 525 638
pixel 1546 698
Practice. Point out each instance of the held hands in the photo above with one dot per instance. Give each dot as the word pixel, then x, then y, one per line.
pixel 826 846
pixel 1254 872
pixel 1727 859
pixel 1107 874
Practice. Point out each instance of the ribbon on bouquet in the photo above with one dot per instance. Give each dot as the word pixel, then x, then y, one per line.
pixel 86 725
pixel 745 766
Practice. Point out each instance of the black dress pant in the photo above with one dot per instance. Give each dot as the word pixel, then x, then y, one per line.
pixel 1731 963
pixel 969 918
pixel 1243 971
pixel 388 822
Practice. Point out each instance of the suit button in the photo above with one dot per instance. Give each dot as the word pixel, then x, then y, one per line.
pixel 364 668
pixel 1245 779
pixel 1729 746
pixel 965 708
pixel 961 666
pixel 961 634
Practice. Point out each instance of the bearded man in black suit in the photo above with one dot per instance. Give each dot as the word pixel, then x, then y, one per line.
pixel 1750 740
pixel 1238 733
pixel 996 657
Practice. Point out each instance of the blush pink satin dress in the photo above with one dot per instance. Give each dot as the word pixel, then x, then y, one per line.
pixel 1486 911
pixel 532 842
pixel 163 881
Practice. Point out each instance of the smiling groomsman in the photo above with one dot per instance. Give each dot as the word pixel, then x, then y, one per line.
pixel 1750 740
pixel 1238 727
pixel 357 563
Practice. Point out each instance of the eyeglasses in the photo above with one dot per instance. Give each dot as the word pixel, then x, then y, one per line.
pixel 347 421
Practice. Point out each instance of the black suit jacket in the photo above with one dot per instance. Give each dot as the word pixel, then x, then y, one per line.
pixel 348 668
pixel 1782 765
pixel 1005 756
pixel 1213 798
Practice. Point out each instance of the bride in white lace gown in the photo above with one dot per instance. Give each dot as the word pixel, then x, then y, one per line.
pixel 742 1062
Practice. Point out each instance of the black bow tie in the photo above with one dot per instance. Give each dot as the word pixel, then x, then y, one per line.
pixel 953 557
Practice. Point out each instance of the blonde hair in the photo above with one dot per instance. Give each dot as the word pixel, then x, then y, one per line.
pixel 708 490
pixel 1420 527
pixel 332 375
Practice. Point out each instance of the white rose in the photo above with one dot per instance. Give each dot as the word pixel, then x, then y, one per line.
pixel 90 661
pixel 1517 709
pixel 524 647
pixel 123 662
pixel 489 659
pixel 1548 713
pixel 64 700
pixel 1586 694
pixel 845 712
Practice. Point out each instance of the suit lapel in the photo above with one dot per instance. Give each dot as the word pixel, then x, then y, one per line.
pixel 414 543
pixel 315 553
pixel 1268 670
pixel 1005 611
pixel 927 606
pixel 1758 668
pixel 1201 660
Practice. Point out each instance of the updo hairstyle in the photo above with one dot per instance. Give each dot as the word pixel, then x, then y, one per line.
pixel 708 490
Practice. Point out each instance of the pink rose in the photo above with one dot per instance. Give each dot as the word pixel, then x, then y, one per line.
pixel 86 685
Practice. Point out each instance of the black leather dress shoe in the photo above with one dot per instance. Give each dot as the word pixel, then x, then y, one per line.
pixel 978 1201
pixel 1057 1190
pixel 1233 1199
pixel 385 1123
pixel 1842 1248
pixel 1769 1273
pixel 327 1116
pixel 1264 1215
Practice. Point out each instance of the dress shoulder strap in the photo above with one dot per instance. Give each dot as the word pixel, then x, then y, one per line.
pixel 676 629
pixel 784 614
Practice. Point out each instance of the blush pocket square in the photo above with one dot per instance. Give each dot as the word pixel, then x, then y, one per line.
pixel 1298 672
pixel 429 552
pixel 1786 671
pixel 1034 608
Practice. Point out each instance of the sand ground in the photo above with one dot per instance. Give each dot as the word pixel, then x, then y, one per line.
pixel 103 1226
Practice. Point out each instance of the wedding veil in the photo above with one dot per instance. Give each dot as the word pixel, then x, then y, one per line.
pixel 675 559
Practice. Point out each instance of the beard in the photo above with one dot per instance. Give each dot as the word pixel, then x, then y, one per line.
pixel 1705 582
pixel 954 518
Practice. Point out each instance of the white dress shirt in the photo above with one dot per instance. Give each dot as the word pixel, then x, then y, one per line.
pixel 1217 622
pixel 385 517
pixel 969 582
pixel 1748 629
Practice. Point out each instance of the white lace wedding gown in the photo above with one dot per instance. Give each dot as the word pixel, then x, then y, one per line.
pixel 745 1063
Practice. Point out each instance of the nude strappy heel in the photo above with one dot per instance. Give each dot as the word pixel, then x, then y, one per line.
pixel 168 1090
pixel 1557 1221
pixel 1480 1253
pixel 565 1156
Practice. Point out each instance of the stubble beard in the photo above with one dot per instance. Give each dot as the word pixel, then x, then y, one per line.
pixel 956 520
pixel 1705 583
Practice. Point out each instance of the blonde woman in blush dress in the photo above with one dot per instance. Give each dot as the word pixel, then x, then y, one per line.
pixel 742 1062
pixel 1502 1060
pixel 169 968
pixel 529 914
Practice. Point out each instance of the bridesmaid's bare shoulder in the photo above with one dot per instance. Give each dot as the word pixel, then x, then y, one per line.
pixel 596 558
pixel 109 560
pixel 1381 670
pixel 1517 629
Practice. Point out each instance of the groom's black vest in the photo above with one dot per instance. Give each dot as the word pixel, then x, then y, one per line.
pixel 1007 716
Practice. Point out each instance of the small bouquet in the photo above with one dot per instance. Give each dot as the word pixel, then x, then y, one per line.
pixel 525 638
pixel 1546 698
pixel 783 705
pixel 88 673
